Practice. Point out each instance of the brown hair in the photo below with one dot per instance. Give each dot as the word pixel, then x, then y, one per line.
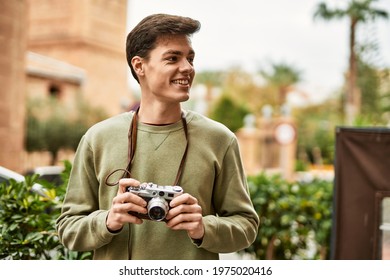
pixel 142 39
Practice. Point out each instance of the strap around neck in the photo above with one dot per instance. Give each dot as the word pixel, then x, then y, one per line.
pixel 132 136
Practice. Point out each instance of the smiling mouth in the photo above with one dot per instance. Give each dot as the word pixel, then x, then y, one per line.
pixel 183 82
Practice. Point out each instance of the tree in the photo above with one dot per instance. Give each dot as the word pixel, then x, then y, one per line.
pixel 369 84
pixel 385 82
pixel 316 125
pixel 372 83
pixel 357 11
pixel 283 77
pixel 229 113
pixel 244 87
pixel 240 86
pixel 52 126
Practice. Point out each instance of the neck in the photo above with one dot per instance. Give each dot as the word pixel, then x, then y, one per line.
pixel 159 115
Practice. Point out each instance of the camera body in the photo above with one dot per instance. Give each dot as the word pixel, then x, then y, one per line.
pixel 157 198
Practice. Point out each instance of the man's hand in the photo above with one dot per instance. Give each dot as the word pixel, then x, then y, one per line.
pixel 186 214
pixel 124 202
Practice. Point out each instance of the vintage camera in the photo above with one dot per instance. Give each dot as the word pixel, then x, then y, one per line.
pixel 157 197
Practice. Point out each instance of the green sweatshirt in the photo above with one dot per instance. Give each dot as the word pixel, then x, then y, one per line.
pixel 213 173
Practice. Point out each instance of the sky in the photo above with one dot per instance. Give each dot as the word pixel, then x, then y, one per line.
pixel 253 34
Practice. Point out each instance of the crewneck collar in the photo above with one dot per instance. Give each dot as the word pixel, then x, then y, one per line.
pixel 166 127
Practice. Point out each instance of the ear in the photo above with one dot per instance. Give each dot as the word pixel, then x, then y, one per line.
pixel 137 63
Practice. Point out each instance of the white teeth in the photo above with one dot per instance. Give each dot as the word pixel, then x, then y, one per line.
pixel 181 82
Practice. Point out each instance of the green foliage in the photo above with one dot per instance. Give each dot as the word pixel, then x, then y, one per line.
pixel 229 113
pixel 283 77
pixel 360 11
pixel 53 134
pixel 239 85
pixel 357 13
pixel 372 84
pixel 295 218
pixel 210 78
pixel 369 84
pixel 316 125
pixel 52 126
pixel 26 225
pixel 27 221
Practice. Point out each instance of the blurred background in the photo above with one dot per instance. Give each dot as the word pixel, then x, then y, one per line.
pixel 63 68
pixel 282 75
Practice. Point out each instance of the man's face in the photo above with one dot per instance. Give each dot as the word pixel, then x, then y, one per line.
pixel 169 71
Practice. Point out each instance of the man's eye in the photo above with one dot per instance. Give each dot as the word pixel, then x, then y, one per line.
pixel 172 58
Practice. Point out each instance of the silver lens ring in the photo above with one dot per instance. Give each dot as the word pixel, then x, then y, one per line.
pixel 157 209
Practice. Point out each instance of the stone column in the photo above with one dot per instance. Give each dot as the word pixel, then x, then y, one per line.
pixel 249 139
pixel 286 136
pixel 13 30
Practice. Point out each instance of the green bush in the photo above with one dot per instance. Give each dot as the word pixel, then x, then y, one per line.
pixel 27 221
pixel 295 218
pixel 229 112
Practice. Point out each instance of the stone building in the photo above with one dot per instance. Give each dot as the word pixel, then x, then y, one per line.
pixel 61 48
pixel 89 34
pixel 13 33
pixel 48 77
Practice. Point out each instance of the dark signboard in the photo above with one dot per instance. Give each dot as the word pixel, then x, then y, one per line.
pixel 362 185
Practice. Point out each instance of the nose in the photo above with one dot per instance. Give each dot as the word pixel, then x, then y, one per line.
pixel 186 67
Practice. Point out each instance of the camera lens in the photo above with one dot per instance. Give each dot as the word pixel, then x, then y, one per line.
pixel 157 213
pixel 157 209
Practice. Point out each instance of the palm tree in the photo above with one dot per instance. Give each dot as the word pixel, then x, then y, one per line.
pixel 283 77
pixel 357 11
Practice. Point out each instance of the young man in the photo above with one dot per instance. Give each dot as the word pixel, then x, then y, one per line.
pixel 160 143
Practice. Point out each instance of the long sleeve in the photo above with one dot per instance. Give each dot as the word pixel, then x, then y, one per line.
pixel 235 225
pixel 81 226
pixel 213 173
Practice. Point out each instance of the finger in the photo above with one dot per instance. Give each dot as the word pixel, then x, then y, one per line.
pixel 183 199
pixel 194 227
pixel 127 182
pixel 116 220
pixel 129 197
pixel 185 221
pixel 184 209
pixel 131 207
pixel 134 198
pixel 127 207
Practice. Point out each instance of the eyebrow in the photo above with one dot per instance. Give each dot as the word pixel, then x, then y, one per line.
pixel 176 52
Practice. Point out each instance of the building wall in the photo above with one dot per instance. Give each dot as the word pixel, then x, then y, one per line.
pixel 12 80
pixel 38 90
pixel 89 34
